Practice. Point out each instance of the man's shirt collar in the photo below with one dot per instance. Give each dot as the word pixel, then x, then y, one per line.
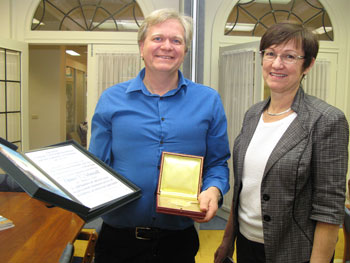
pixel 137 84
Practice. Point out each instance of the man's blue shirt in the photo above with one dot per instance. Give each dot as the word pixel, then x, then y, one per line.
pixel 132 127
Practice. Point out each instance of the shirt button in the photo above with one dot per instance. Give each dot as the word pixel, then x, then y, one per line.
pixel 267 218
pixel 266 197
pixel 161 142
pixel 162 119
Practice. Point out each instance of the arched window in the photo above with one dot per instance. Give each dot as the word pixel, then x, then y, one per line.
pixel 253 17
pixel 87 15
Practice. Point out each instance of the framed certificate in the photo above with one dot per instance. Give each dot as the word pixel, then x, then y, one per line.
pixel 68 176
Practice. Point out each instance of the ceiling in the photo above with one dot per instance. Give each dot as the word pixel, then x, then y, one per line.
pixel 82 50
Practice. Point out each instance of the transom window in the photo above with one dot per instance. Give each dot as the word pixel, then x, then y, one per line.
pixel 88 15
pixel 253 17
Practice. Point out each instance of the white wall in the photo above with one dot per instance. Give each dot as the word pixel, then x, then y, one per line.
pixel 5 13
pixel 46 110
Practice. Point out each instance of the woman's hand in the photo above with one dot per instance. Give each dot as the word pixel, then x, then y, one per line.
pixel 227 246
pixel 225 249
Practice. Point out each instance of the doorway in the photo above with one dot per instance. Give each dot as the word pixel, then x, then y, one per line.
pixel 57 94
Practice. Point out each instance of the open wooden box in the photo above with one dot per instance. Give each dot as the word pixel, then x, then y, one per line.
pixel 179 185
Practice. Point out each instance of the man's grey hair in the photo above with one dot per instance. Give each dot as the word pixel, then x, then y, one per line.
pixel 160 16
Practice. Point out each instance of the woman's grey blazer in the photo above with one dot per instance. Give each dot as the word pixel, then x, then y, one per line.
pixel 304 179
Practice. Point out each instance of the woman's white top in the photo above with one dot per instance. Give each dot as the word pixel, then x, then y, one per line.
pixel 264 140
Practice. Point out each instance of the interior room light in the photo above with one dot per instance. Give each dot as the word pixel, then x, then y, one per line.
pixel 122 24
pixel 240 27
pixel 321 30
pixel 36 21
pixel 72 52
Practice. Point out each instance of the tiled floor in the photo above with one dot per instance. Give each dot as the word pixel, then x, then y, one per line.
pixel 217 223
pixel 210 236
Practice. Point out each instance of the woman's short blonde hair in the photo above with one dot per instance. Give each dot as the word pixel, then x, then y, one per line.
pixel 160 16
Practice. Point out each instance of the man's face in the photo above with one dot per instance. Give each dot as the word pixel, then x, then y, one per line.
pixel 163 49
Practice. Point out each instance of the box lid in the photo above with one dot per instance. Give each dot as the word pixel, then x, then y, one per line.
pixel 179 184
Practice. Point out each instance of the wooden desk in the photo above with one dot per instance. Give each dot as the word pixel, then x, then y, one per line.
pixel 40 233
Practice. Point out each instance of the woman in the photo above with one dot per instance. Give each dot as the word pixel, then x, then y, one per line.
pixel 137 120
pixel 290 163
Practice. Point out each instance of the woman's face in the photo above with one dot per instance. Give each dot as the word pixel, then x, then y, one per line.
pixel 282 77
pixel 163 49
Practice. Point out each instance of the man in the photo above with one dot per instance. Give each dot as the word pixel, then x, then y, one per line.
pixel 135 121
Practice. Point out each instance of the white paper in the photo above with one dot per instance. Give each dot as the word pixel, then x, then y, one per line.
pixel 79 175
pixel 31 171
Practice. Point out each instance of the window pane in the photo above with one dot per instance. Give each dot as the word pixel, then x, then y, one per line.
pixel 13 97
pixel 10 95
pixel 2 64
pixel 2 97
pixel 14 126
pixel 13 65
pixel 253 17
pixel 88 15
pixel 2 126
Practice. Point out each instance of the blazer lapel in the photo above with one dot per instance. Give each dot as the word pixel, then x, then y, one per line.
pixel 293 135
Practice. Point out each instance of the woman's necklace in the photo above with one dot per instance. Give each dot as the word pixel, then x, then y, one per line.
pixel 278 114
